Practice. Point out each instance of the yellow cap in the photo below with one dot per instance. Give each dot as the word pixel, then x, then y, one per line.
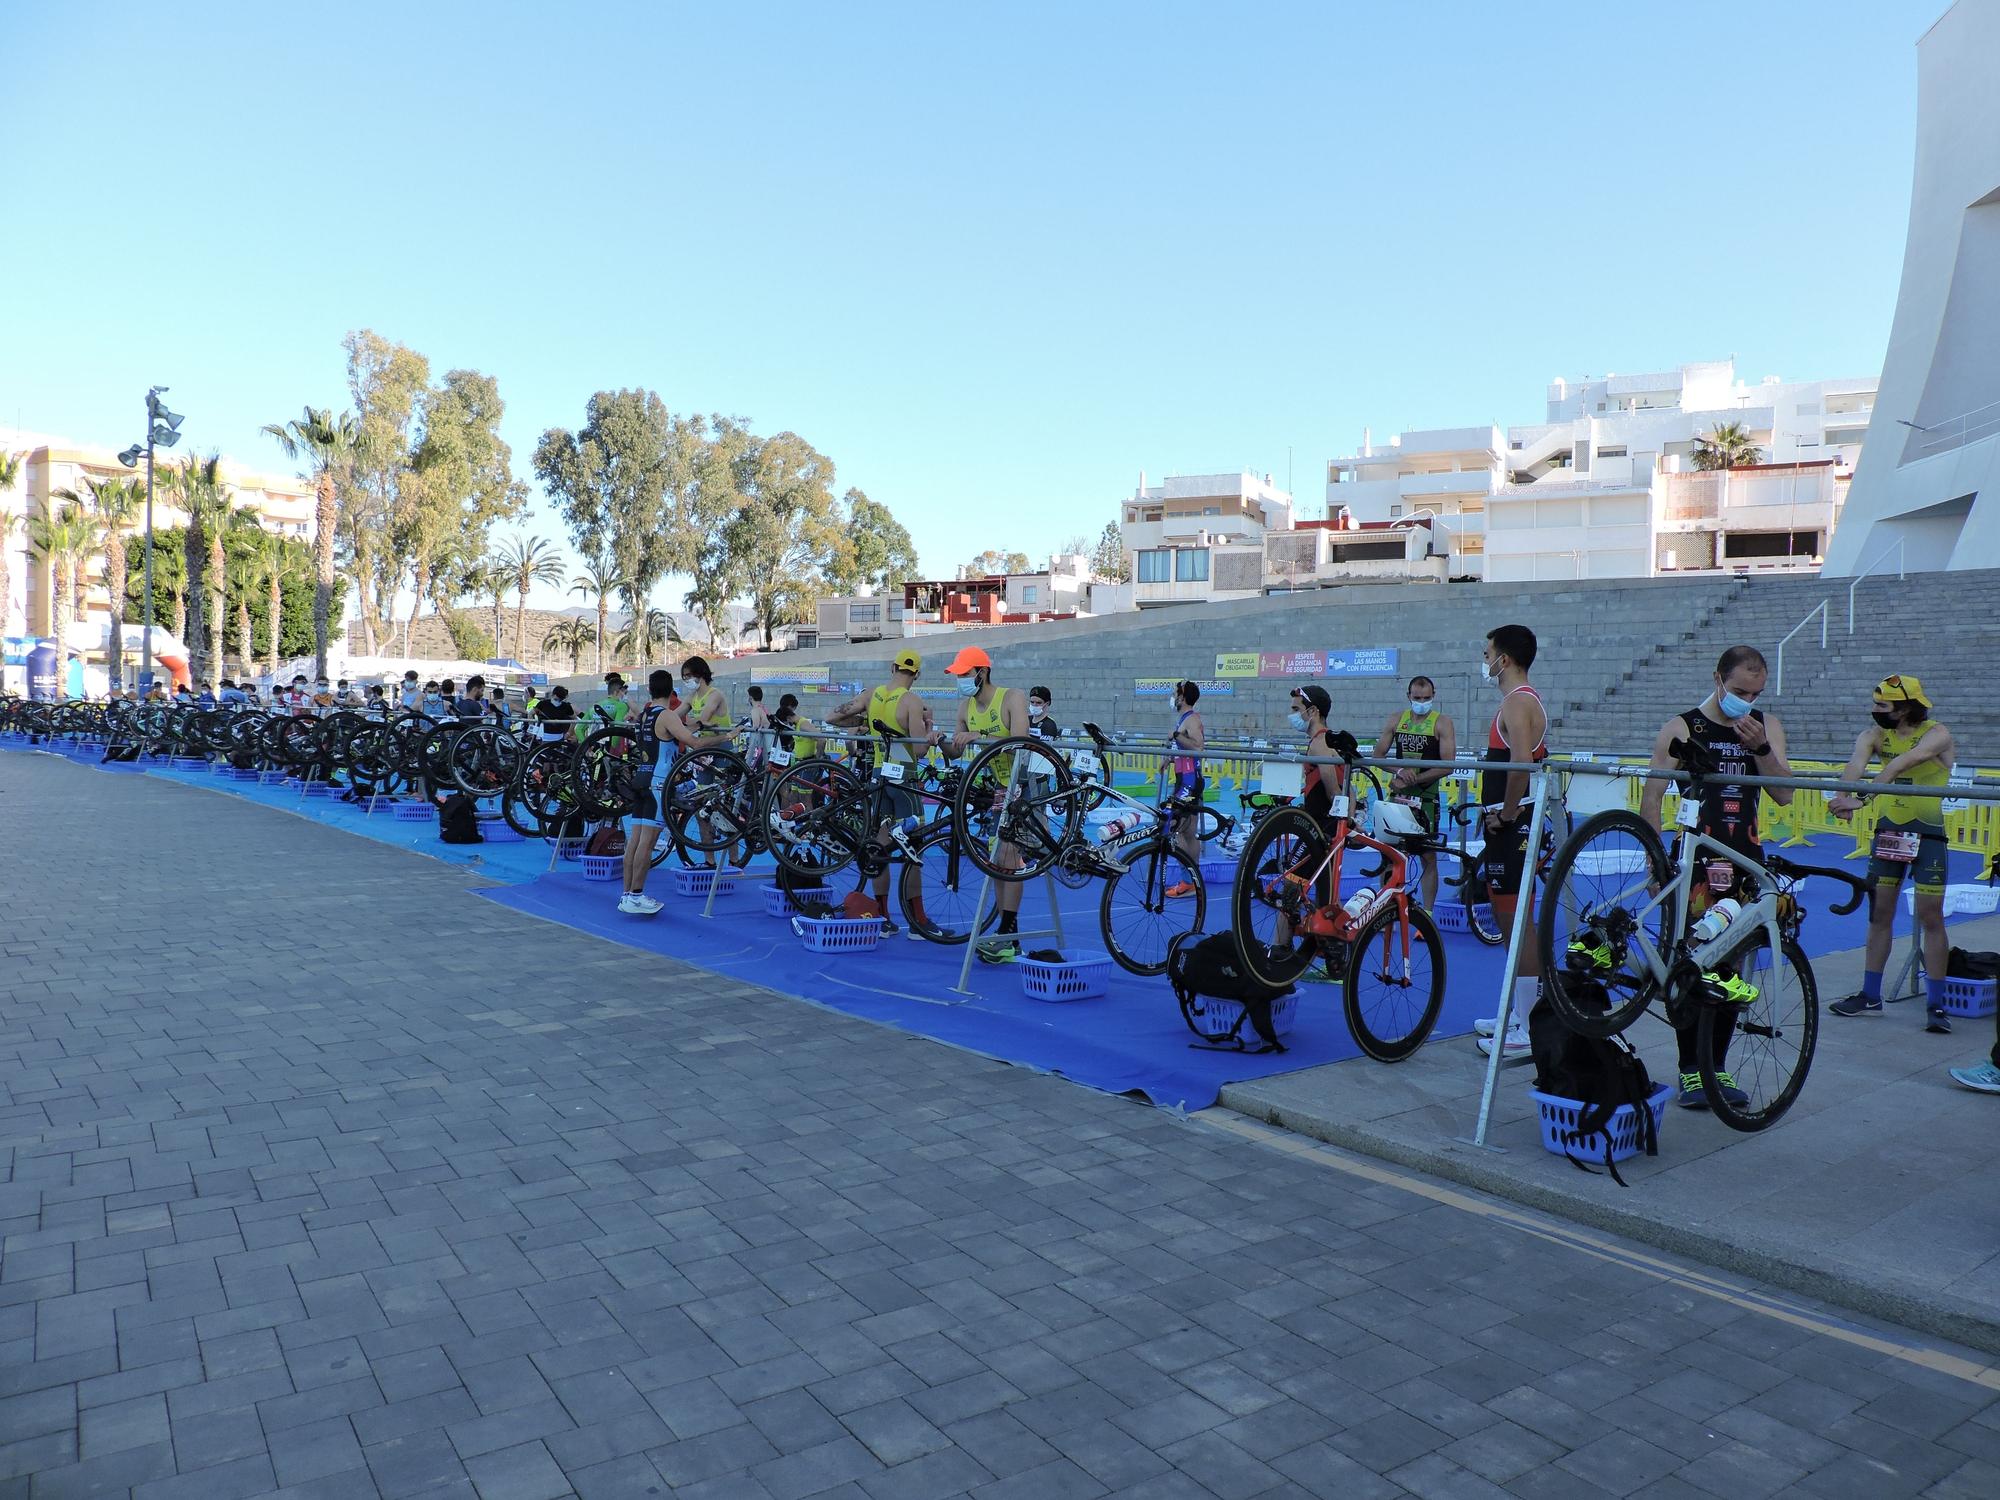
pixel 1902 688
pixel 907 660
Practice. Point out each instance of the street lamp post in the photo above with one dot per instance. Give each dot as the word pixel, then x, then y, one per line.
pixel 162 427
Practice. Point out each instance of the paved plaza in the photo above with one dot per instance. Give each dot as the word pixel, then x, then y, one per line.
pixel 320 1176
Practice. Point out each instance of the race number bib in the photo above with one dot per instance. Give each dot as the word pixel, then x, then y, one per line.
pixel 1687 814
pixel 780 758
pixel 1898 846
pixel 892 770
pixel 1721 875
pixel 1339 807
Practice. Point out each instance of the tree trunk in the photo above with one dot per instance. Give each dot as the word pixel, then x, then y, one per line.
pixel 243 631
pixel 218 612
pixel 181 619
pixel 601 612
pixel 520 646
pixel 77 597
pixel 59 582
pixel 276 603
pixel 498 600
pixel 365 603
pixel 114 585
pixel 323 522
pixel 417 602
pixel 192 599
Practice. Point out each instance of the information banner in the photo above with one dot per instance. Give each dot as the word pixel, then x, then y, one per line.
pixel 790 676
pixel 1237 663
pixel 1290 663
pixel 1163 687
pixel 1368 661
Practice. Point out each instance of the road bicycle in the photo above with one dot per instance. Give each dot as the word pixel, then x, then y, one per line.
pixel 1040 800
pixel 1617 937
pixel 1287 914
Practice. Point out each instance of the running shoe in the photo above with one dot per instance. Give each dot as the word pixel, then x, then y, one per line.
pixel 1691 1096
pixel 638 904
pixel 889 928
pixel 1856 1004
pixel 1485 1025
pixel 1515 1045
pixel 1937 1022
pixel 1180 892
pixel 1731 1094
pixel 1586 953
pixel 1732 990
pixel 1981 1078
pixel 1000 950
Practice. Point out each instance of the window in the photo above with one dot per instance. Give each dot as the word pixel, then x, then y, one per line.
pixel 1191 566
pixel 864 614
pixel 1211 510
pixel 1027 593
pixel 1611 450
pixel 1395 511
pixel 1156 567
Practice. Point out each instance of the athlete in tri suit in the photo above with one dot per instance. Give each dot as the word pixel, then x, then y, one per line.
pixel 1739 739
pixel 892 709
pixel 1190 785
pixel 988 711
pixel 1422 731
pixel 662 736
pixel 1520 732
pixel 1915 750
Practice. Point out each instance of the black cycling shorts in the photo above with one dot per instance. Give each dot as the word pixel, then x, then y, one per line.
pixel 1505 856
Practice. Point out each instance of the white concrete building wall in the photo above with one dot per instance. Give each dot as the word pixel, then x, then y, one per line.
pixel 1934 488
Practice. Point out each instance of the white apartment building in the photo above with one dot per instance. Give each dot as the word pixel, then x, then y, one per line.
pixel 1606 486
pixel 1201 536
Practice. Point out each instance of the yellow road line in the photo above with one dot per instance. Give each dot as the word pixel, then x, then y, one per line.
pixel 1708 1285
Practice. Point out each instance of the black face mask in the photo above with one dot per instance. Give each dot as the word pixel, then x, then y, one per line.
pixel 1886 720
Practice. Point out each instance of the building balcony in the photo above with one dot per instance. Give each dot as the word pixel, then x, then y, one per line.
pixel 1190 591
pixel 1279 578
pixel 1466 482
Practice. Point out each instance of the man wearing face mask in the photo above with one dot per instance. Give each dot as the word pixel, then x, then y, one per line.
pixel 1040 721
pixel 1739 739
pixel 988 711
pixel 1422 731
pixel 892 709
pixel 1519 733
pixel 1915 750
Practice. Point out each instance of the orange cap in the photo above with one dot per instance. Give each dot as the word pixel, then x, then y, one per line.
pixel 968 658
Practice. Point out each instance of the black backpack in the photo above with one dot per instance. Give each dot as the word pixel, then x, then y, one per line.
pixel 1966 963
pixel 1199 965
pixel 458 820
pixel 1601 1075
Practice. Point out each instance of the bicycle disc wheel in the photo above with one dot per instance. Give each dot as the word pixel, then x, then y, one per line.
pixel 1273 895
pixel 1395 982
pixel 1597 898
pixel 1766 1046
pixel 816 819
pixel 939 890
pixel 1137 916
pixel 1039 805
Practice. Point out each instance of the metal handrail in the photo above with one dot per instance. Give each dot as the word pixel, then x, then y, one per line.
pixel 1820 609
pixel 1897 549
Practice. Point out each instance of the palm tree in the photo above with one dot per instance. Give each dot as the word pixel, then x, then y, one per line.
pixel 273 566
pixel 1728 447
pixel 326 442
pixel 197 488
pixel 570 638
pixel 490 577
pixel 79 564
pixel 62 540
pixel 599 579
pixel 117 503
pixel 245 540
pixel 646 629
pixel 527 561
pixel 10 475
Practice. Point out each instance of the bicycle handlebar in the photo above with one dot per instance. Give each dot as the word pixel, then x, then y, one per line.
pixel 1858 888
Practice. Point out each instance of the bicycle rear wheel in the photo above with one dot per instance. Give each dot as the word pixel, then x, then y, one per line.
pixel 708 800
pixel 816 819
pixel 1039 803
pixel 1597 899
pixel 1395 981
pixel 1765 1046
pixel 1139 919
pixel 1273 895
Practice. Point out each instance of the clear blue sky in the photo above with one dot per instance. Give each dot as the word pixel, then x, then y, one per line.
pixel 994 260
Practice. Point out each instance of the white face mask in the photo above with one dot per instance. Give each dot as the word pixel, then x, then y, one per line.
pixel 968 685
pixel 1298 722
pixel 1035 712
pixel 1486 673
pixel 1421 709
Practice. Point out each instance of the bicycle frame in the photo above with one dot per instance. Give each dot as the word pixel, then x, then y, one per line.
pixel 1332 919
pixel 1695 849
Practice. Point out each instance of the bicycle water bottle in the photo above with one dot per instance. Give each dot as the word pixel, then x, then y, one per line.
pixel 1357 903
pixel 1118 827
pixel 1717 919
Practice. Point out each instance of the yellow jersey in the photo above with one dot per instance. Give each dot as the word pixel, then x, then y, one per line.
pixel 1893 808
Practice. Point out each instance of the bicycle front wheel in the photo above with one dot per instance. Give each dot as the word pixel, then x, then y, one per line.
pixel 1148 904
pixel 708 800
pixel 1395 981
pixel 1018 792
pixel 1754 1056
pixel 816 820
pixel 939 889
pixel 1598 899
pixel 1274 895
